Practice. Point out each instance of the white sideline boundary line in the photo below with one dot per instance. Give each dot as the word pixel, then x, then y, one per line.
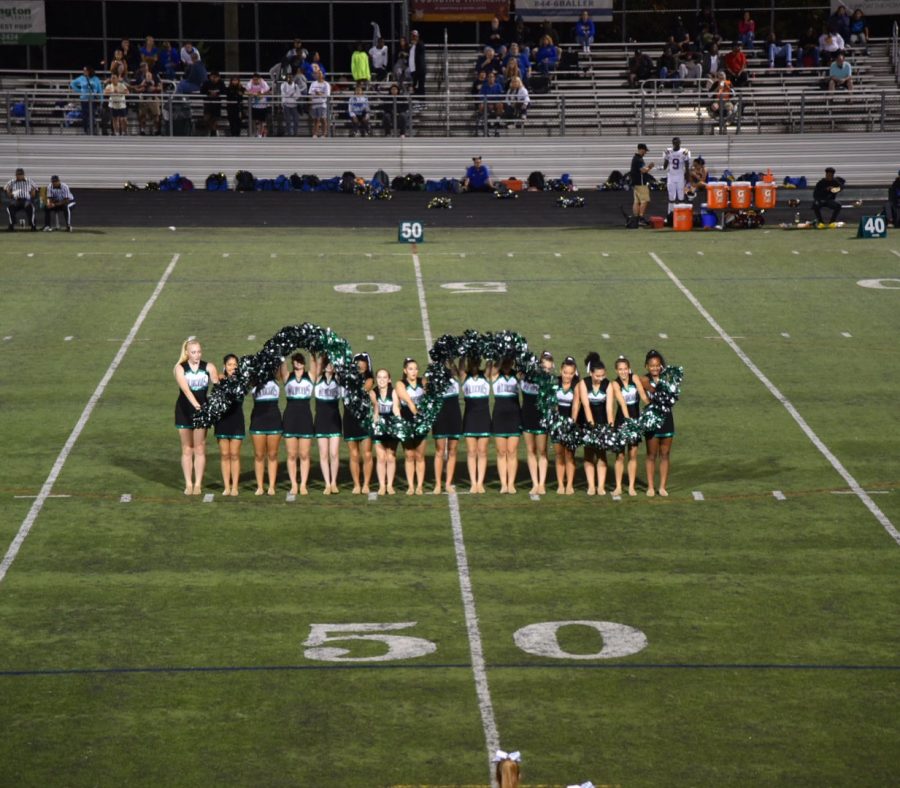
pixel 854 485
pixel 476 650
pixel 47 487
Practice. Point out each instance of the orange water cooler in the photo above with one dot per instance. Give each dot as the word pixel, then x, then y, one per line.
pixel 682 217
pixel 766 195
pixel 716 196
pixel 741 195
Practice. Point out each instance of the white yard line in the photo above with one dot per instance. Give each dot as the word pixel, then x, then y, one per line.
pixel 47 488
pixel 476 650
pixel 787 404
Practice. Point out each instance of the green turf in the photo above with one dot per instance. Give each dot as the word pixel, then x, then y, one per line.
pixel 161 641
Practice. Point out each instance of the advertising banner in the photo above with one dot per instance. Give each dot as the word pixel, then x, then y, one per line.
pixel 870 7
pixel 22 22
pixel 563 10
pixel 459 10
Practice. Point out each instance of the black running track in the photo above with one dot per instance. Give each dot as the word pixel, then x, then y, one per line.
pixel 101 208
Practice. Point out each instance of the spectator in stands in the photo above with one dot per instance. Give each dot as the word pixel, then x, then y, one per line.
pixel 297 54
pixel 495 37
pixel 517 100
pixel 131 54
pixel 781 53
pixel 509 73
pixel 548 30
pixel 116 91
pixel 395 112
pixel 313 64
pixel 400 69
pixel 859 30
pixel 194 76
pixel 379 56
pixel 186 56
pixel 167 61
pixel 706 39
pixel 723 97
pixel 690 70
pixel 358 109
pixel 213 90
pixel 839 22
pixel 808 44
pixel 825 196
pixel 118 66
pixel 234 105
pixel 679 32
pixel 493 107
pixel 488 62
pixel 477 177
pixel 90 89
pixel 480 79
pixel 292 90
pixel 829 46
pixel 149 53
pixel 640 174
pixel 359 64
pixel 640 67
pixel 747 30
pixel 894 200
pixel 840 74
pixel 259 90
pixel 319 93
pixel 21 192
pixel 547 56
pixel 712 62
pixel 516 55
pixel 585 31
pixel 667 67
pixel 60 200
pixel 417 63
pixel 736 66
pixel 147 87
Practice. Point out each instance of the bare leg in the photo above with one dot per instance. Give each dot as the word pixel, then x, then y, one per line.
pixel 632 469
pixel 560 451
pixel 409 462
pixel 381 468
pixel 665 449
pixel 304 448
pixel 472 463
pixel 325 464
pixel 259 461
pixel 512 463
pixel 652 453
pixel 272 442
pixel 440 449
pixel 187 459
pixel 540 444
pixel 391 467
pixel 531 454
pixel 501 462
pixel 199 459
pixel 482 462
pixel 353 449
pixel 602 469
pixel 619 471
pixel 368 463
pixel 225 463
pixel 570 471
pixel 334 447
pixel 235 465
pixel 420 467
pixel 291 444
pixel 452 448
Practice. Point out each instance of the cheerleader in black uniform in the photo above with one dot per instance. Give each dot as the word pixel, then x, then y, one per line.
pixel 624 398
pixel 230 434
pixel 659 443
pixel 565 401
pixel 328 423
pixel 590 408
pixel 506 423
pixel 356 435
pixel 535 434
pixel 194 376
pixel 298 421
pixel 447 430
pixel 410 391
pixel 265 429
pixel 384 403
pixel 476 422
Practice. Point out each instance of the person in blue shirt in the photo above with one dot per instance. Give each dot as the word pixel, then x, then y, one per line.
pixel 522 58
pixel 492 95
pixel 585 30
pixel 547 55
pixel 90 89
pixel 194 76
pixel 478 177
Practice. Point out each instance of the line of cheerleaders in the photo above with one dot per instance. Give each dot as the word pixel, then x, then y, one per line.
pixel 592 399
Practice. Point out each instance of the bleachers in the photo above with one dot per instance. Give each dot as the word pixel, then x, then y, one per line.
pixel 588 98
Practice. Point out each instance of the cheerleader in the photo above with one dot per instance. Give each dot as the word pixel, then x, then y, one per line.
pixel 659 443
pixel 447 430
pixel 356 435
pixel 565 401
pixel 384 403
pixel 265 429
pixel 328 422
pixel 590 408
pixel 230 433
pixel 410 392
pixel 535 435
pixel 506 423
pixel 476 422
pixel 193 375
pixel 298 421
pixel 623 400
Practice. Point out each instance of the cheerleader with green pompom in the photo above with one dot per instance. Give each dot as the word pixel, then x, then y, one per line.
pixel 565 401
pixel 627 394
pixel 659 442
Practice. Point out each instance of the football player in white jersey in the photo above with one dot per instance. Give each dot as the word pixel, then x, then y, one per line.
pixel 677 163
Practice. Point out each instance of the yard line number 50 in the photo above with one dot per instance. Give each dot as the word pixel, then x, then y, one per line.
pixel 541 639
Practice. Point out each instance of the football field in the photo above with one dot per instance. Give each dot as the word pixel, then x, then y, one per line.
pixel 743 631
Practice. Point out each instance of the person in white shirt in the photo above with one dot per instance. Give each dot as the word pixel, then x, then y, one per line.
pixel 358 109
pixel 319 93
pixel 378 54
pixel 677 163
pixel 291 94
pixel 187 54
pixel 21 192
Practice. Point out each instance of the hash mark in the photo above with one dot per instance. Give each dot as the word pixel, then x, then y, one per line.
pixel 779 496
pixel 68 339
pixel 373 496
pixel 126 498
pixel 785 335
pixel 846 334
pixel 698 496
pixel 251 337
pixel 369 337
pixel 663 336
pixel 605 336
pixel 208 498
pixel 290 497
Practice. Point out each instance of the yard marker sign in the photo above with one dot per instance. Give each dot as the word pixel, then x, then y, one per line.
pixel 872 227
pixel 411 231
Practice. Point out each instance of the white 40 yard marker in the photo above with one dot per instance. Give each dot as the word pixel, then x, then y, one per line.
pixel 541 640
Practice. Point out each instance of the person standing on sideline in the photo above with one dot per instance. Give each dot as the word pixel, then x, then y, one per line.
pixel 59 199
pixel 639 173
pixel 417 63
pixel 21 191
pixel 677 162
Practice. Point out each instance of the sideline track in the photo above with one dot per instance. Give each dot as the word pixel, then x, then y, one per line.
pixel 47 487
pixel 476 650
pixel 854 485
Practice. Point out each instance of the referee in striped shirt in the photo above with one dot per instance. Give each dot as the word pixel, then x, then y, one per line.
pixel 21 191
pixel 59 200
